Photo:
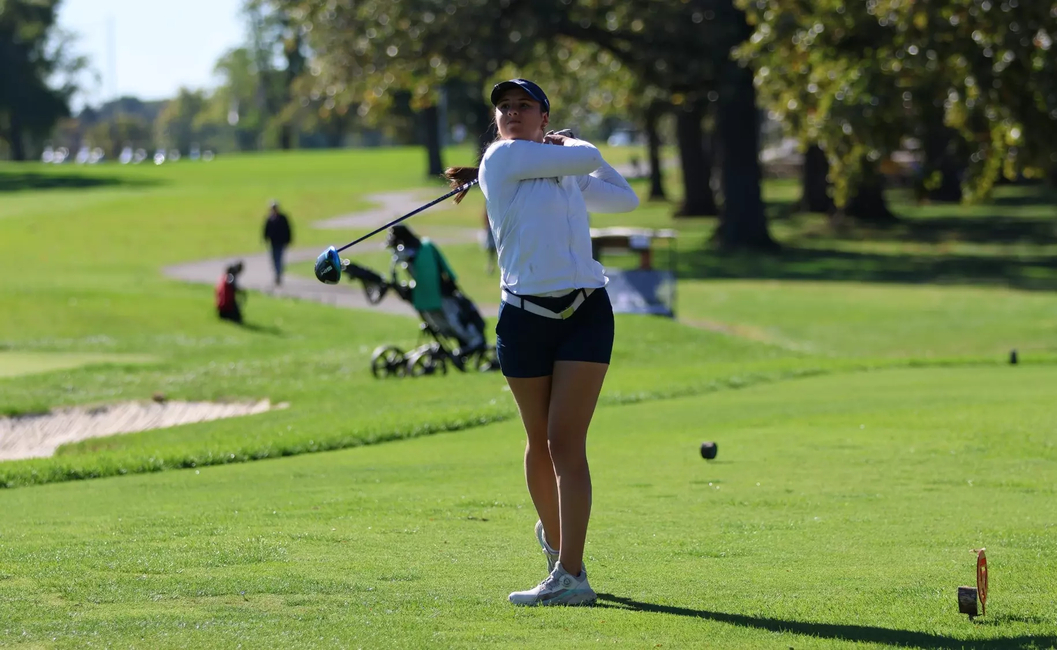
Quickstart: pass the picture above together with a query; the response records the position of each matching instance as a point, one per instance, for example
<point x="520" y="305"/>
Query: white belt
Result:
<point x="532" y="307"/>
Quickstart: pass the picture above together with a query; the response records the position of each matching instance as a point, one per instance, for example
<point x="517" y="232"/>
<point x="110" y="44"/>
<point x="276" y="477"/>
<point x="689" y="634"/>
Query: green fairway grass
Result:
<point x="829" y="318"/>
<point x="336" y="403"/>
<point x="861" y="377"/>
<point x="948" y="280"/>
<point x="840" y="512"/>
<point x="15" y="364"/>
<point x="106" y="231"/>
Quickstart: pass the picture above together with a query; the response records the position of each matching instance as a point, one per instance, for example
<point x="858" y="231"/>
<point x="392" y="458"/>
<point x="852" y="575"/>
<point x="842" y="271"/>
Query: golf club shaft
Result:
<point x="461" y="188"/>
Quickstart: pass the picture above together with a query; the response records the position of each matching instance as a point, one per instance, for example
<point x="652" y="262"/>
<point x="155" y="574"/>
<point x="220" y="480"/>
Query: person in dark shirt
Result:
<point x="278" y="234"/>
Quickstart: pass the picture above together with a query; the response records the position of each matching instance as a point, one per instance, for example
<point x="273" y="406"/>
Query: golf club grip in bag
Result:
<point x="374" y="285"/>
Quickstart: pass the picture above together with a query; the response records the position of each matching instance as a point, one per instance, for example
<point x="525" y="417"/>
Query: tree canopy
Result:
<point x="860" y="78"/>
<point x="33" y="55"/>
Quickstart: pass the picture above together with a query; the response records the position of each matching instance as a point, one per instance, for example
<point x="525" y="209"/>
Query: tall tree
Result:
<point x="363" y="53"/>
<point x="744" y="223"/>
<point x="651" y="120"/>
<point x="820" y="72"/>
<point x="681" y="48"/>
<point x="233" y="107"/>
<point x="859" y="78"/>
<point x="119" y="131"/>
<point x="814" y="181"/>
<point x="276" y="35"/>
<point x="1000" y="60"/>
<point x="177" y="126"/>
<point x="33" y="52"/>
<point x="685" y="48"/>
<point x="695" y="157"/>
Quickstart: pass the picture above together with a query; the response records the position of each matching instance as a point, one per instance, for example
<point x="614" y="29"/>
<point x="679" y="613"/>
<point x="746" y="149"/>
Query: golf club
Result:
<point x="329" y="265"/>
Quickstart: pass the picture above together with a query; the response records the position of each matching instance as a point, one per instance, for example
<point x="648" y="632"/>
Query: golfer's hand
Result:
<point x="557" y="137"/>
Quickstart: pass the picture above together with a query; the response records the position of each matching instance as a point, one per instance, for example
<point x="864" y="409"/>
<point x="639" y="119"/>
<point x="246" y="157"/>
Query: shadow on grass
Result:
<point x="1028" y="194"/>
<point x="262" y="329"/>
<point x="1028" y="217"/>
<point x="23" y="181"/>
<point x="813" y="250"/>
<point x="1037" y="273"/>
<point x="989" y="230"/>
<point x="853" y="633"/>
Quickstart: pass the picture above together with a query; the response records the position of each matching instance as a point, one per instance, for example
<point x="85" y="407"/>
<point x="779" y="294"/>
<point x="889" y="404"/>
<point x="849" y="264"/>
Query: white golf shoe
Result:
<point x="559" y="588"/>
<point x="552" y="555"/>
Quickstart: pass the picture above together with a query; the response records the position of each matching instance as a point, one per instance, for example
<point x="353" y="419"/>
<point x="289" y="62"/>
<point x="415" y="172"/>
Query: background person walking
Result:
<point x="279" y="235"/>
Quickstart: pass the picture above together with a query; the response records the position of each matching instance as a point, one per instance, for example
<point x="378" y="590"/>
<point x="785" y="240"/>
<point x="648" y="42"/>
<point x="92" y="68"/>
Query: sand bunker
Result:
<point x="37" y="436"/>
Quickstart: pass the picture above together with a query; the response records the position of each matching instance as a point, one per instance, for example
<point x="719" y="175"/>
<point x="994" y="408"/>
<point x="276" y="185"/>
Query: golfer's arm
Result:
<point x="606" y="191"/>
<point x="521" y="159"/>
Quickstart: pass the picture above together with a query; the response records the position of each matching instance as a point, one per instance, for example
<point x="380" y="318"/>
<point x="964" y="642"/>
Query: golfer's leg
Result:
<point x="533" y="396"/>
<point x="574" y="393"/>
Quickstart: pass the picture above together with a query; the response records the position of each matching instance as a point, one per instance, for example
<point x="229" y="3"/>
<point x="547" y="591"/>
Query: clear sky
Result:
<point x="158" y="45"/>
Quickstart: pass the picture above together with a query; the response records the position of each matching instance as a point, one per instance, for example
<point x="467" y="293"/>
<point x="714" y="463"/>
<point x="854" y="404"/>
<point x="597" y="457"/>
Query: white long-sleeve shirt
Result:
<point x="537" y="197"/>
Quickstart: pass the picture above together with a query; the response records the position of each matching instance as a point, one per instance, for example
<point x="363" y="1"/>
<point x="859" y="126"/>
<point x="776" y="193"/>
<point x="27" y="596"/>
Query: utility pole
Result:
<point x="111" y="55"/>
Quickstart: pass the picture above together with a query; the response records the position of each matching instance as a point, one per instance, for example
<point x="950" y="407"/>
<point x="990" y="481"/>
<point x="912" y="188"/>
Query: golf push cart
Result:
<point x="451" y="324"/>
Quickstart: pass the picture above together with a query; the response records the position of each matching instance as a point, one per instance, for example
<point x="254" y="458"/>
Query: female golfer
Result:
<point x="555" y="332"/>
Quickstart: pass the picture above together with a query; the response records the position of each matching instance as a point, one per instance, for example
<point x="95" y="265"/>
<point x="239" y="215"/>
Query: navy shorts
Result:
<point x="528" y="344"/>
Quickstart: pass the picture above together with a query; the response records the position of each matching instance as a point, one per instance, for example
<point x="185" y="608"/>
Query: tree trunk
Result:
<point x="715" y="156"/>
<point x="743" y="224"/>
<point x="815" y="196"/>
<point x="286" y="137"/>
<point x="335" y="131"/>
<point x="115" y="139"/>
<point x="12" y="88"/>
<point x="15" y="136"/>
<point x="867" y="202"/>
<point x="950" y="189"/>
<point x="941" y="158"/>
<point x="697" y="167"/>
<point x="431" y="124"/>
<point x="483" y="118"/>
<point x="653" y="114"/>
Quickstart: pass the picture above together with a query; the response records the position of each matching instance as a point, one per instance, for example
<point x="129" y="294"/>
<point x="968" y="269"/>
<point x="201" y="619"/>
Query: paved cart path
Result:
<point x="258" y="275"/>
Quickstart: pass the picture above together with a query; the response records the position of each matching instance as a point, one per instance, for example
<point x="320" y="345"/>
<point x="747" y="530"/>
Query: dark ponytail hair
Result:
<point x="458" y="176"/>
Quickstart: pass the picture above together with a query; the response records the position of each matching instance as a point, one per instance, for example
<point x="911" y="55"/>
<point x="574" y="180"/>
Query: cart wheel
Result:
<point x="387" y="360"/>
<point x="426" y="362"/>
<point x="421" y="364"/>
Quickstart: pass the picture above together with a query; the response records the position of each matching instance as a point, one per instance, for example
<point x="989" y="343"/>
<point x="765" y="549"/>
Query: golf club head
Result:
<point x="328" y="266"/>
